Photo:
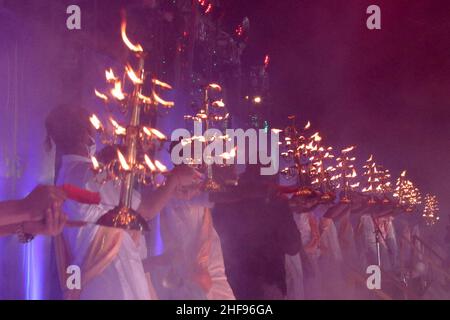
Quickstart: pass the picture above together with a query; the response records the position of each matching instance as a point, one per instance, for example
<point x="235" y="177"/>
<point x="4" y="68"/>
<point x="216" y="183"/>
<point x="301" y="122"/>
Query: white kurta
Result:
<point x="367" y="240"/>
<point x="181" y="222"/>
<point x="124" y="278"/>
<point x="310" y="282"/>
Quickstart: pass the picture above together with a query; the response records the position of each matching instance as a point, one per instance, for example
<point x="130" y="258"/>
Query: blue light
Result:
<point x="159" y="244"/>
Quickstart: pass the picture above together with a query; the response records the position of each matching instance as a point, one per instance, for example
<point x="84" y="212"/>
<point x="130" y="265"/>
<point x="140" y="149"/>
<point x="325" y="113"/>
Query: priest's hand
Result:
<point x="35" y="205"/>
<point x="52" y="223"/>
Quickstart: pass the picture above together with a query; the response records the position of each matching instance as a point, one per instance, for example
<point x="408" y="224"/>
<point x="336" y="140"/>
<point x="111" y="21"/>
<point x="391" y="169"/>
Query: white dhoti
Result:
<point x="309" y="232"/>
<point x="294" y="278"/>
<point x="193" y="267"/>
<point x="110" y="259"/>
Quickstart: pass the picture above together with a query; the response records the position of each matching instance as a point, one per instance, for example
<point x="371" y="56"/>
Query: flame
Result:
<point x="147" y="131"/>
<point x="229" y="155"/>
<point x="346" y="150"/>
<point x="132" y="75"/>
<point x="101" y="95"/>
<point x="163" y="102"/>
<point x="215" y="86"/>
<point x="209" y="8"/>
<point x="144" y="99"/>
<point x="355" y="185"/>
<point x="149" y="163"/>
<point x="316" y="137"/>
<point x="218" y="103"/>
<point x="307" y="126"/>
<point x="95" y="163"/>
<point x="158" y="134"/>
<point x="150" y="132"/>
<point x="202" y="115"/>
<point x="161" y="84"/>
<point x="110" y="76"/>
<point x="131" y="46"/>
<point x="117" y="91"/>
<point x="266" y="61"/>
<point x="161" y="168"/>
<point x="95" y="122"/>
<point x="224" y="137"/>
<point x="403" y="174"/>
<point x="123" y="161"/>
<point x="186" y="141"/>
<point x="370" y="158"/>
<point x="119" y="130"/>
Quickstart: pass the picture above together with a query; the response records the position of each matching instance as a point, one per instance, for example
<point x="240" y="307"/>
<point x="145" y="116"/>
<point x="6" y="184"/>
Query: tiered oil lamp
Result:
<point x="212" y="113"/>
<point x="347" y="174"/>
<point x="322" y="175"/>
<point x="408" y="196"/>
<point x="373" y="181"/>
<point x="132" y="164"/>
<point x="431" y="210"/>
<point x="385" y="187"/>
<point x="298" y="153"/>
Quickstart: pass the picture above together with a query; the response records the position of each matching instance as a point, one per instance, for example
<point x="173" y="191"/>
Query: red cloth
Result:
<point x="81" y="195"/>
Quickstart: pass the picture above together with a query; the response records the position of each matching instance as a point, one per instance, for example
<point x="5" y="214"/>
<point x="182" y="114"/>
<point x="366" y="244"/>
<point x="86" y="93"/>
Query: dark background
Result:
<point x="387" y="91"/>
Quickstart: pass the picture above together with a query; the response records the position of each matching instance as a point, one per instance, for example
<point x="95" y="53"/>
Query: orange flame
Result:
<point x="132" y="75"/>
<point x="144" y="99"/>
<point x="215" y="86"/>
<point x="95" y="122"/>
<point x="163" y="102"/>
<point x="307" y="126"/>
<point x="149" y="163"/>
<point x="161" y="84"/>
<point x="218" y="103"/>
<point x="95" y="163"/>
<point x="158" y="134"/>
<point x="119" y="130"/>
<point x="229" y="155"/>
<point x="346" y="150"/>
<point x="110" y="76"/>
<point x="117" y="91"/>
<point x="316" y="137"/>
<point x="135" y="48"/>
<point x="101" y="95"/>
<point x="147" y="131"/>
<point x="123" y="161"/>
<point x="161" y="168"/>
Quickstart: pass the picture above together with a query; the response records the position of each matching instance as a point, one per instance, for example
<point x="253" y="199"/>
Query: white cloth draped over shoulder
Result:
<point x="124" y="277"/>
<point x="190" y="241"/>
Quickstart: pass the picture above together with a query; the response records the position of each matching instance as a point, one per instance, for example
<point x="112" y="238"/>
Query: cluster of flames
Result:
<point x="299" y="151"/>
<point x="308" y="160"/>
<point x="311" y="163"/>
<point x="212" y="110"/>
<point x="211" y="114"/>
<point x="378" y="181"/>
<point x="347" y="173"/>
<point x="431" y="210"/>
<point x="115" y="134"/>
<point x="407" y="194"/>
